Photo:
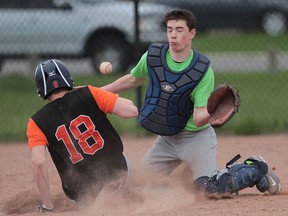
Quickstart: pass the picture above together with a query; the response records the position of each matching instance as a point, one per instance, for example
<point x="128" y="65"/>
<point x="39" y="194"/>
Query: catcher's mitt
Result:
<point x="223" y="103"/>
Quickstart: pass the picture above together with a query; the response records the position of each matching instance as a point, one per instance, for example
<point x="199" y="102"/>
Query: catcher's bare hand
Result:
<point x="223" y="103"/>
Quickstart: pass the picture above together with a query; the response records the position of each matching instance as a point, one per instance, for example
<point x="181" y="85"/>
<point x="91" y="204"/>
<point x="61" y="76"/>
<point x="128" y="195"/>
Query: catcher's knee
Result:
<point x="235" y="177"/>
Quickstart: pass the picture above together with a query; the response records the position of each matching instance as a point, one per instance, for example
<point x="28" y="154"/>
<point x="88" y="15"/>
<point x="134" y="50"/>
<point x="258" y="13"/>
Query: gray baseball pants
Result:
<point x="196" y="149"/>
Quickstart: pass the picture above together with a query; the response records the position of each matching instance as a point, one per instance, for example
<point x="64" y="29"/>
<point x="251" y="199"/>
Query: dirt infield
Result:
<point x="147" y="196"/>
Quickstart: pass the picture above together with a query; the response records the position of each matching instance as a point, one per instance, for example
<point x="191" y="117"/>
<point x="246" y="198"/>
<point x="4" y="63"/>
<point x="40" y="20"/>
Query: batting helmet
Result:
<point x="51" y="75"/>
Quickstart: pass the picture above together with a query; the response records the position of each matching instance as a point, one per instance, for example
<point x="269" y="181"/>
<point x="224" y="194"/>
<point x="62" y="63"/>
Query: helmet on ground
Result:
<point x="51" y="75"/>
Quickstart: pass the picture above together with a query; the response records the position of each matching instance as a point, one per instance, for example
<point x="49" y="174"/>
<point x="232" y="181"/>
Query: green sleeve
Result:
<point x="203" y="90"/>
<point x="141" y="69"/>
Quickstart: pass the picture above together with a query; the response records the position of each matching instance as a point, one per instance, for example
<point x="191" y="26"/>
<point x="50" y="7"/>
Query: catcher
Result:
<point x="175" y="108"/>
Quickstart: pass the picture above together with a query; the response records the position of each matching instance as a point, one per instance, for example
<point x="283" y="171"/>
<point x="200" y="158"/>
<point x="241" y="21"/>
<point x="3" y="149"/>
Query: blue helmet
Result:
<point x="51" y="75"/>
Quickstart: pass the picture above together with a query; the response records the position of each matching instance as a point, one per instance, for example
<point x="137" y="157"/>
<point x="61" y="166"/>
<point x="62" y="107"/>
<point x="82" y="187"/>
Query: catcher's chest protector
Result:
<point x="167" y="106"/>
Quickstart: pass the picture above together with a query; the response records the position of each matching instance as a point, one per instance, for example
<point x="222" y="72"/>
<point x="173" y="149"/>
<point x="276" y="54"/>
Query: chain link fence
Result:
<point x="246" y="43"/>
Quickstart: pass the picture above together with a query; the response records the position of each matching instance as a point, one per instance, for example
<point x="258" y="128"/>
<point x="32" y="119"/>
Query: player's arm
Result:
<point x="136" y="78"/>
<point x="37" y="143"/>
<point x="200" y="97"/>
<point x="40" y="173"/>
<point x="200" y="116"/>
<point x="112" y="103"/>
<point x="125" y="108"/>
<point x="124" y="83"/>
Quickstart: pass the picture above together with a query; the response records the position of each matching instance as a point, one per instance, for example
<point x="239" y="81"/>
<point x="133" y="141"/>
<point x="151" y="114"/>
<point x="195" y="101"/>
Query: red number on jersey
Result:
<point x="83" y="129"/>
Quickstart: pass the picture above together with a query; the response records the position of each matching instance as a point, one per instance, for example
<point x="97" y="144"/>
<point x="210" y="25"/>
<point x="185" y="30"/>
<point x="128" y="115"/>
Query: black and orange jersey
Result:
<point x="81" y="140"/>
<point x="105" y="101"/>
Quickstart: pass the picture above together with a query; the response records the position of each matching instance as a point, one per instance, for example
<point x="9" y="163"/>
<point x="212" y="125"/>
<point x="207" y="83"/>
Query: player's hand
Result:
<point x="43" y="209"/>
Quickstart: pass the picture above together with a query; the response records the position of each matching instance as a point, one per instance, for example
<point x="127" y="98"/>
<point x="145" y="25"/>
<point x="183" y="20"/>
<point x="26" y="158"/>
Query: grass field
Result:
<point x="264" y="107"/>
<point x="240" y="42"/>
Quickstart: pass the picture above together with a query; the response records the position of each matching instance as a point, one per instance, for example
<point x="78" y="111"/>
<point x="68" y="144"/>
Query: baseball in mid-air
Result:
<point x="106" y="67"/>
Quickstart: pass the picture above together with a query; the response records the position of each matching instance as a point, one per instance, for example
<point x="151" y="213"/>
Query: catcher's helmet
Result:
<point x="51" y="75"/>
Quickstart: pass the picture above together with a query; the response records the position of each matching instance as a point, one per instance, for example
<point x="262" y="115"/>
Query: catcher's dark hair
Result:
<point x="182" y="14"/>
